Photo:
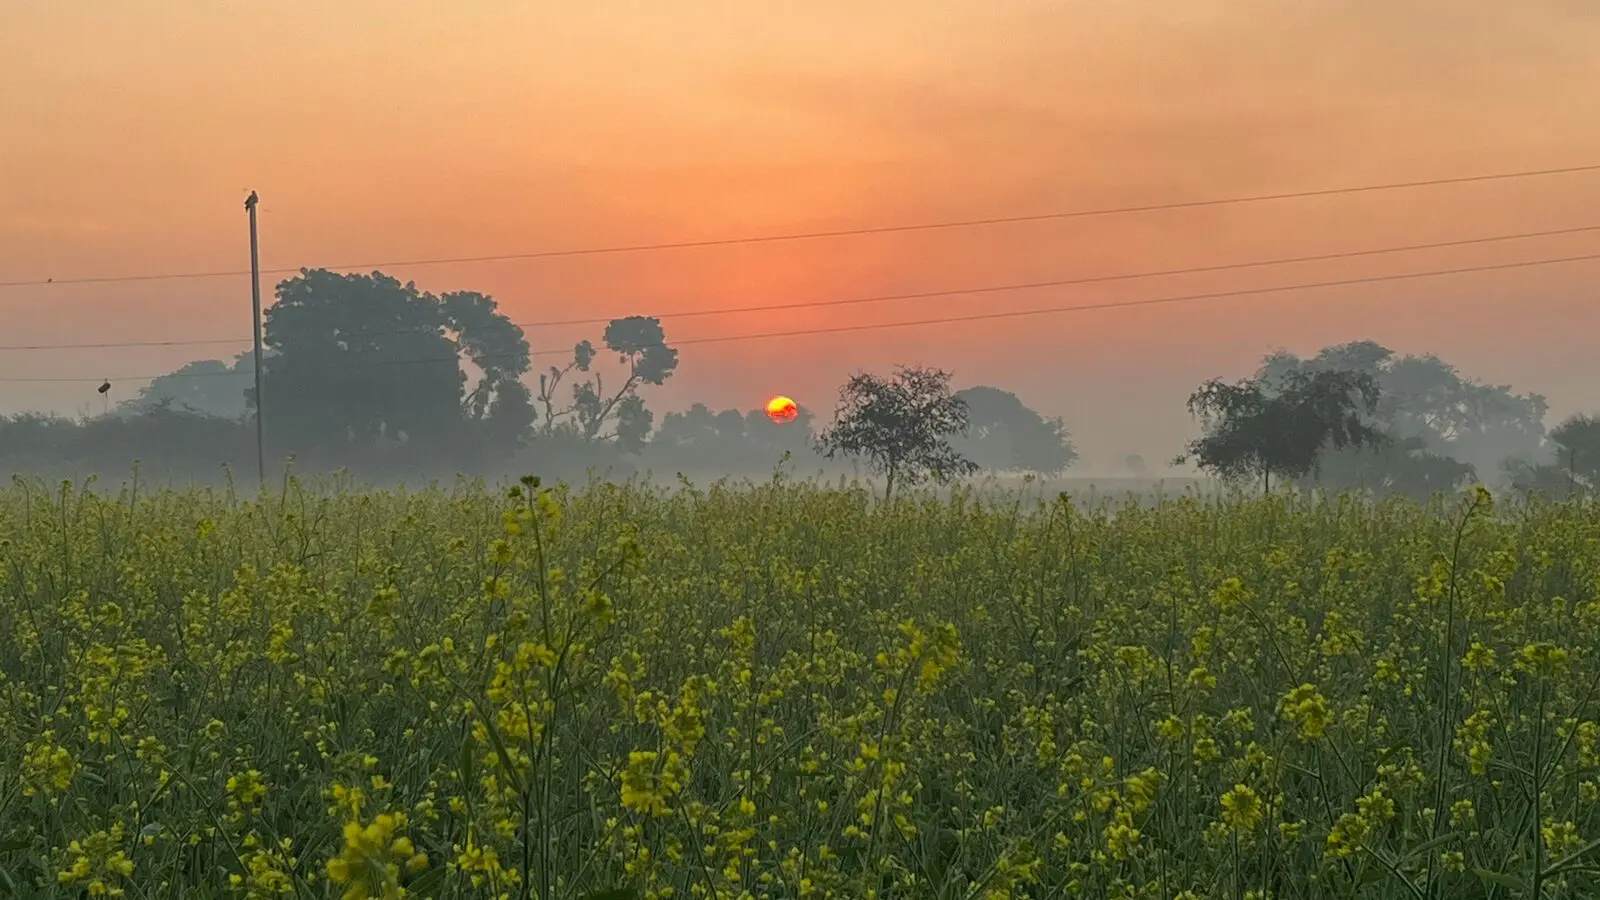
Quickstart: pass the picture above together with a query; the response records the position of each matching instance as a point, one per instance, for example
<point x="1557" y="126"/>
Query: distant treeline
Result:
<point x="366" y="374"/>
<point x="173" y="442"/>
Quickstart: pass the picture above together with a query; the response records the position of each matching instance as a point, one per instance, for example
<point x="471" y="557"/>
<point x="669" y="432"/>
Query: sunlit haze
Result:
<point x="131" y="132"/>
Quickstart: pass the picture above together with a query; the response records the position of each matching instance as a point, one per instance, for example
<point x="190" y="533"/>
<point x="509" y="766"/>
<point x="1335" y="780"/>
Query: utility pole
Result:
<point x="255" y="321"/>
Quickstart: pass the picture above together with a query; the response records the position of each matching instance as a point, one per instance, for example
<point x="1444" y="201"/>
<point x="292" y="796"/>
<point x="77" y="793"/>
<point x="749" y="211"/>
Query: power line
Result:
<point x="947" y="320"/>
<point x="884" y="298"/>
<point x="843" y="232"/>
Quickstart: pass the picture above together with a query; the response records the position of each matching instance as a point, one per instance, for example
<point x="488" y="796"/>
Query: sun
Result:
<point x="782" y="410"/>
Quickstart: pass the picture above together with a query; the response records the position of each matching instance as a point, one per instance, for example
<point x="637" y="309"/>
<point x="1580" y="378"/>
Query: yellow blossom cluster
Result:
<point x="783" y="690"/>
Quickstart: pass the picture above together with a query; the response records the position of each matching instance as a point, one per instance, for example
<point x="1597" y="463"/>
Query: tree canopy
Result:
<point x="1253" y="431"/>
<point x="209" y="387"/>
<point x="355" y="359"/>
<point x="1005" y="434"/>
<point x="1445" y="426"/>
<point x="902" y="425"/>
<point x="365" y="371"/>
<point x="1573" y="465"/>
<point x="730" y="440"/>
<point x="617" y="413"/>
<point x="362" y="367"/>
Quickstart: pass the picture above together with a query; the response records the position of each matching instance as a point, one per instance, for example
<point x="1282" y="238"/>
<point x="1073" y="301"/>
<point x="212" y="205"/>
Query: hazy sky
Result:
<point x="131" y="131"/>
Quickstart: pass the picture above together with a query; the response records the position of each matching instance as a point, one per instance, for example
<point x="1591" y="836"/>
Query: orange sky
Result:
<point x="405" y="129"/>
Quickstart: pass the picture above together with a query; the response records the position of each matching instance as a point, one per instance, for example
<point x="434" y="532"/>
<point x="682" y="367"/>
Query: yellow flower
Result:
<point x="246" y="789"/>
<point x="482" y="866"/>
<point x="647" y="788"/>
<point x="1120" y="835"/>
<point x="47" y="767"/>
<point x="1170" y="728"/>
<point x="1241" y="808"/>
<point x="1478" y="658"/>
<point x="1472" y="741"/>
<point x="97" y="864"/>
<point x="1140" y="789"/>
<point x="373" y="858"/>
<point x="1308" y="709"/>
<point x="267" y="870"/>
<point x="1560" y="838"/>
<point x="1542" y="658"/>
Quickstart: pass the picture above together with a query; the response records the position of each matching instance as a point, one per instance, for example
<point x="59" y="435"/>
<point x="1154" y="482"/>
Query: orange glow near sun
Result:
<point x="781" y="409"/>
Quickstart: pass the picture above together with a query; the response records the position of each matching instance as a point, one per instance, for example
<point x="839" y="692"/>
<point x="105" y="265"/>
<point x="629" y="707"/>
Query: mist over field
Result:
<point x="712" y="450"/>
<point x="428" y="144"/>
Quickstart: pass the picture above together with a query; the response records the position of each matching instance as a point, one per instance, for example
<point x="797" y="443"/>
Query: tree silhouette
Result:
<point x="1577" y="442"/>
<point x="510" y="418"/>
<point x="1401" y="465"/>
<point x="583" y="355"/>
<point x="633" y="423"/>
<point x="1252" y="431"/>
<point x="640" y="345"/>
<point x="1425" y="398"/>
<point x="731" y="425"/>
<point x="730" y="441"/>
<point x="693" y="425"/>
<point x="209" y="387"/>
<point x="1004" y="434"/>
<point x="769" y="438"/>
<point x="168" y="442"/>
<point x="499" y="349"/>
<point x="902" y="425"/>
<point x="1575" y="465"/>
<point x="355" y="359"/>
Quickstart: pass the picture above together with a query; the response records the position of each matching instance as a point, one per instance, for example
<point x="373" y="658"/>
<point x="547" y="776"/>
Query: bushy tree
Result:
<point x="1253" y="432"/>
<point x="1003" y="433"/>
<point x="1399" y="465"/>
<point x="770" y="439"/>
<point x="730" y="441"/>
<point x="902" y="425"/>
<point x="510" y="419"/>
<point x="209" y="387"/>
<point x="500" y="351"/>
<point x="167" y="442"/>
<point x="1573" y="465"/>
<point x="1441" y="422"/>
<point x="359" y="359"/>
<point x="695" y="425"/>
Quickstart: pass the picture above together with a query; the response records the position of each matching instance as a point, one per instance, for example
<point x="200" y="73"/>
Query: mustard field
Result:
<point x="782" y="690"/>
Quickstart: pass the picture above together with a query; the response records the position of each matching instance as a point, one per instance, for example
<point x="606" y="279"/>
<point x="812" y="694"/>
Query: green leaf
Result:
<point x="500" y="749"/>
<point x="614" y="894"/>
<point x="426" y="882"/>
<point x="324" y="835"/>
<point x="1393" y="869"/>
<point x="1502" y="879"/>
<point x="1425" y="846"/>
<point x="1366" y="874"/>
<point x="469" y="758"/>
<point x="19" y="843"/>
<point x="1571" y="859"/>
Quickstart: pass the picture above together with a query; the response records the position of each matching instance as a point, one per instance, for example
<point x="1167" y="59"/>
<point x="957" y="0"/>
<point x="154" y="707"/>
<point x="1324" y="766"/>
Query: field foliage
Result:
<point x="782" y="690"/>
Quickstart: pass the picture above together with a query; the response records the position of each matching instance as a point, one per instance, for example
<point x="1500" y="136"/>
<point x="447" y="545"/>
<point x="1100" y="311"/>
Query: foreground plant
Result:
<point x="786" y="691"/>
